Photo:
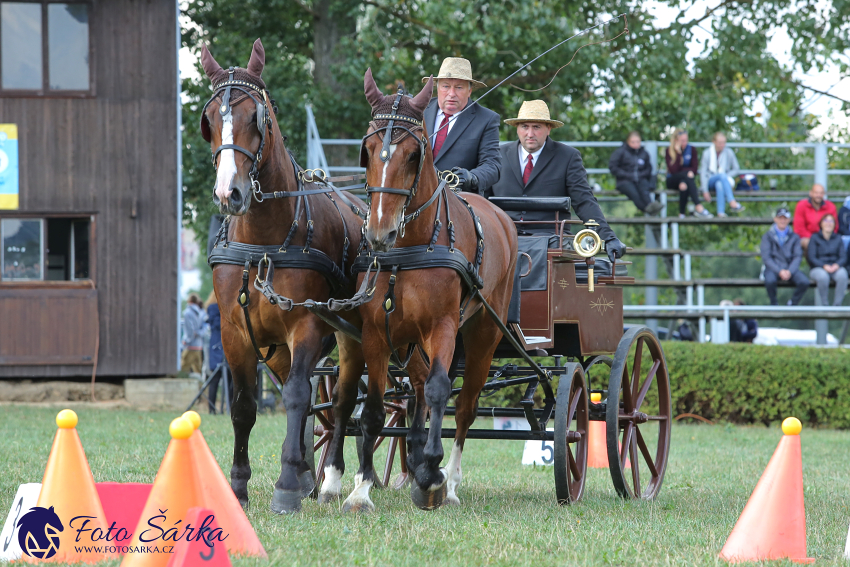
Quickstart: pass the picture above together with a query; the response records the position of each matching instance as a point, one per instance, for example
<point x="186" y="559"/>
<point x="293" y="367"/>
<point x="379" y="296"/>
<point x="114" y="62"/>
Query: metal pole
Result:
<point x="311" y="150"/>
<point x="701" y="304"/>
<point x="651" y="269"/>
<point x="821" y="165"/>
<point x="677" y="275"/>
<point x="821" y="325"/>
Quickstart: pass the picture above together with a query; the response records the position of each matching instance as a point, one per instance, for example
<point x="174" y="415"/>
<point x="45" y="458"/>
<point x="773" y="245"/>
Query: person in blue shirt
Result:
<point x="782" y="253"/>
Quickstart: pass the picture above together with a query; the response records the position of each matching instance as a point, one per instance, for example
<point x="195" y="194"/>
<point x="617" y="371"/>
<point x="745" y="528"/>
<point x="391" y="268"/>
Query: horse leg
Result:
<point x="243" y="414"/>
<point x="344" y="400"/>
<point x="288" y="490"/>
<point x="371" y="422"/>
<point x="429" y="488"/>
<point x="418" y="411"/>
<point x="480" y="338"/>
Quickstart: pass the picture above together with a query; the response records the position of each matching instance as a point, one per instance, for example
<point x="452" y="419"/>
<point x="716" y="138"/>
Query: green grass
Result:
<point x="508" y="514"/>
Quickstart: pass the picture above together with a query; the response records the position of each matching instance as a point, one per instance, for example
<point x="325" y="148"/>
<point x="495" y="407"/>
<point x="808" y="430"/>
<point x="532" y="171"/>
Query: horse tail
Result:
<point x="328" y="344"/>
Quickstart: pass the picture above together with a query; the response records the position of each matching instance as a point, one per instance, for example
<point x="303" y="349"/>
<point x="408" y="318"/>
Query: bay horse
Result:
<point x="300" y="228"/>
<point x="434" y="273"/>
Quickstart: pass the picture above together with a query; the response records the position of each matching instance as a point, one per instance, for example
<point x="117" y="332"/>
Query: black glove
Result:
<point x="466" y="180"/>
<point x="615" y="248"/>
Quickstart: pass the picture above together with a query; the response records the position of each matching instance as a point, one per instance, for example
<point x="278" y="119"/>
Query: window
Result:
<point x="49" y="249"/>
<point x="44" y="48"/>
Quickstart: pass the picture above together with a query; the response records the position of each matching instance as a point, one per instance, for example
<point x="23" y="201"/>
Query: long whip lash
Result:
<point x="557" y="45"/>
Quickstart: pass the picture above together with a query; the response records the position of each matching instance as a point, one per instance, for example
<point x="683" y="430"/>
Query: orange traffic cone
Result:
<point x="217" y="495"/>
<point x="67" y="491"/>
<point x="175" y="490"/>
<point x="597" y="450"/>
<point x="773" y="523"/>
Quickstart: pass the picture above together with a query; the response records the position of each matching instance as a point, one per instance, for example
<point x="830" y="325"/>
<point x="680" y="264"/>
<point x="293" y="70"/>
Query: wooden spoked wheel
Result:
<point x="320" y="424"/>
<point x="597" y="371"/>
<point x="571" y="440"/>
<point x="638" y="415"/>
<point x="320" y="429"/>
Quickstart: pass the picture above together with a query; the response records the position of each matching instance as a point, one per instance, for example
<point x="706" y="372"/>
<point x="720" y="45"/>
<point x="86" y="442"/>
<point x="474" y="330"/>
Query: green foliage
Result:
<point x="318" y="50"/>
<point x="742" y="383"/>
<point x="745" y="383"/>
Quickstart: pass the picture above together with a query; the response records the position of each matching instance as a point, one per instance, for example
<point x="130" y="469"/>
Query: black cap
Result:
<point x="783" y="212"/>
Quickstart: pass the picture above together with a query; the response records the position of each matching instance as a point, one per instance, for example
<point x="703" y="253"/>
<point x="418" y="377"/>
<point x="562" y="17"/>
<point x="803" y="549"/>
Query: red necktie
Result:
<point x="442" y="132"/>
<point x="526" y="175"/>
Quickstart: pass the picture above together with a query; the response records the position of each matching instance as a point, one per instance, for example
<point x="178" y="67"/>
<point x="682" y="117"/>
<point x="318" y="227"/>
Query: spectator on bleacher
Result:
<point x="742" y="330"/>
<point x="718" y="168"/>
<point x="810" y="211"/>
<point x="631" y="167"/>
<point x="782" y="255"/>
<point x="682" y="164"/>
<point x="828" y="260"/>
<point x="844" y="222"/>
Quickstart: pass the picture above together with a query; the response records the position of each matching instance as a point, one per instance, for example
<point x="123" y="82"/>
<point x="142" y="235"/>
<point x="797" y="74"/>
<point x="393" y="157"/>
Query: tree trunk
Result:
<point x="332" y="21"/>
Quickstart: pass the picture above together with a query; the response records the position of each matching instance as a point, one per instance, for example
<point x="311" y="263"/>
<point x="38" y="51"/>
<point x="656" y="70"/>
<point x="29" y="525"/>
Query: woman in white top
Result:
<point x="718" y="168"/>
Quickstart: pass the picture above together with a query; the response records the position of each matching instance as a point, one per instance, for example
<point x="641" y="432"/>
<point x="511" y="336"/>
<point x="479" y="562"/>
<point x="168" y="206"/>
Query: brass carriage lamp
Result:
<point x="587" y="244"/>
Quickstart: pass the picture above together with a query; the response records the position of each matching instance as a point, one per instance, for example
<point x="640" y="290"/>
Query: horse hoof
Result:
<point x="328" y="498"/>
<point x="451" y="500"/>
<point x="307" y="483"/>
<point x="358" y="507"/>
<point x="286" y="501"/>
<point x="428" y="499"/>
<point x="243" y="502"/>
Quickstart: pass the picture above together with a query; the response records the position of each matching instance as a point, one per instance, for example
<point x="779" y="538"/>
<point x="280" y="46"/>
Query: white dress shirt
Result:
<point x="523" y="157"/>
<point x="439" y="121"/>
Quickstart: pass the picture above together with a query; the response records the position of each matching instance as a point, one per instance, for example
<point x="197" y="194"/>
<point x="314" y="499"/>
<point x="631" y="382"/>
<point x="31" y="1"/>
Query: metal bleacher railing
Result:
<point x="662" y="237"/>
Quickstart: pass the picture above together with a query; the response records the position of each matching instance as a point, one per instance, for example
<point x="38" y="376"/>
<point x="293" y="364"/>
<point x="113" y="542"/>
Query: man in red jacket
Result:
<point x="808" y="213"/>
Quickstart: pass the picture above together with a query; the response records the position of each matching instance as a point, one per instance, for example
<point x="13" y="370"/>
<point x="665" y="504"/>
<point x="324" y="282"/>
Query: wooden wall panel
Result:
<point x="112" y="153"/>
<point x="48" y="326"/>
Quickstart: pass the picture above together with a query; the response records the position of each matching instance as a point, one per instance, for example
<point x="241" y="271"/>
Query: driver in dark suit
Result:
<point x="538" y="166"/>
<point x="464" y="135"/>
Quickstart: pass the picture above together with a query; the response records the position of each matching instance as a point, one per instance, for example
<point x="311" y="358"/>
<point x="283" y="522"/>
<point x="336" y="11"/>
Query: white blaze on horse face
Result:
<point x="455" y="476"/>
<point x="226" y="162"/>
<point x="384" y="177"/>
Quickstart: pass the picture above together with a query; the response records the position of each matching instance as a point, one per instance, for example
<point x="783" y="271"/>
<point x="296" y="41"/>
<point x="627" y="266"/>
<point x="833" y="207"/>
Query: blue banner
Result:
<point x="8" y="166"/>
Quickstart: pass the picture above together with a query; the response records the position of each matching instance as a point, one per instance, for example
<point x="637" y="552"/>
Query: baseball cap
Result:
<point x="783" y="212"/>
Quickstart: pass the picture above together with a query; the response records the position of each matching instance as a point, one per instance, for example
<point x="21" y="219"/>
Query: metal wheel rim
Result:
<point x="571" y="414"/>
<point x="620" y="431"/>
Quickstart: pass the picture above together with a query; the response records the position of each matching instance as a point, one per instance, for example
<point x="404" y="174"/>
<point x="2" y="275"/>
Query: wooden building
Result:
<point x="90" y="234"/>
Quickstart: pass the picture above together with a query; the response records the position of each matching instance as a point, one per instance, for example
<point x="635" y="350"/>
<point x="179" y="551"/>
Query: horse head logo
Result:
<point x="39" y="530"/>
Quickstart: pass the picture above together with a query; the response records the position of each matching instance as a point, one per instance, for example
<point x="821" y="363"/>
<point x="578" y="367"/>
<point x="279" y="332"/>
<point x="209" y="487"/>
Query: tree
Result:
<point x="317" y="51"/>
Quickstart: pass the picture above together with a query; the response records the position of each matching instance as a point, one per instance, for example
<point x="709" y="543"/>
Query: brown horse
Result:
<point x="409" y="207"/>
<point x="286" y="229"/>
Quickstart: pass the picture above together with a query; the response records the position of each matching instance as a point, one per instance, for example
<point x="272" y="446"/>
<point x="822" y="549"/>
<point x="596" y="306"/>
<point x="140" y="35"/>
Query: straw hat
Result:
<point x="457" y="68"/>
<point x="534" y="111"/>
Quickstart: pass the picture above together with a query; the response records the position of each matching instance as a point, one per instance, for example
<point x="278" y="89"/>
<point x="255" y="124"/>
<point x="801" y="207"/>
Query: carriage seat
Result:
<point x="537" y="204"/>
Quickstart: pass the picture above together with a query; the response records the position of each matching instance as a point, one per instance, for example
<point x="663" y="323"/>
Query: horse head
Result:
<point x="394" y="160"/>
<point x="237" y="132"/>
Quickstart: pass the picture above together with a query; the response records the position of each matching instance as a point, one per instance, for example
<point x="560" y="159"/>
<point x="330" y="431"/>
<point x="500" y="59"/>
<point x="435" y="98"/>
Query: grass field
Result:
<point x="508" y="514"/>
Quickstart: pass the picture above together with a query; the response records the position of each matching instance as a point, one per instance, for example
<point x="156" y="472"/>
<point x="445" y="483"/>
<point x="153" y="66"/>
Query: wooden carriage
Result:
<point x="575" y="345"/>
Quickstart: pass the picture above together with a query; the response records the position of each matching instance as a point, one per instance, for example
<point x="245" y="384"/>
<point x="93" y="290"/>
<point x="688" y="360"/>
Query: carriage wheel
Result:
<point x="318" y="435"/>
<point x="638" y="415"/>
<point x="597" y="370"/>
<point x="571" y="424"/>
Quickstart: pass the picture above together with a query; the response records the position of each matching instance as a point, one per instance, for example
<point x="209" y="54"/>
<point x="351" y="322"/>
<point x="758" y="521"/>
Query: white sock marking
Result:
<point x="333" y="481"/>
<point x="360" y="494"/>
<point x="226" y="162"/>
<point x="454" y="471"/>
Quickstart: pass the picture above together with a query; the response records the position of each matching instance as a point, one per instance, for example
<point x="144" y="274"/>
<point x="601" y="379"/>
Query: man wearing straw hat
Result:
<point x="464" y="135"/>
<point x="538" y="166"/>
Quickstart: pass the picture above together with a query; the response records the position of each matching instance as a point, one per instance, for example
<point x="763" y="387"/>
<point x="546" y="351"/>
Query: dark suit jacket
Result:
<point x="472" y="143"/>
<point x="559" y="173"/>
